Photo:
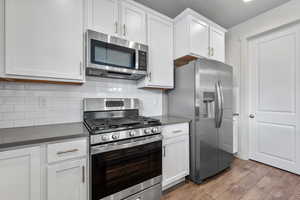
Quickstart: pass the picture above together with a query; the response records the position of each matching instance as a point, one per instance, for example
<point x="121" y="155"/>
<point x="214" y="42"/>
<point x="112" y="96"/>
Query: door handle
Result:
<point x="83" y="174"/>
<point x="116" y="27"/>
<point x="252" y="116"/>
<point x="222" y="103"/>
<point x="124" y="29"/>
<point x="164" y="151"/>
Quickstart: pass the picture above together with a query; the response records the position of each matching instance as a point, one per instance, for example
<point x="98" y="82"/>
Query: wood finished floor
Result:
<point x="246" y="180"/>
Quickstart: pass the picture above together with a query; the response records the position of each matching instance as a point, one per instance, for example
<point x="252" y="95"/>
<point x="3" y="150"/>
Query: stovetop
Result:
<point x="104" y="125"/>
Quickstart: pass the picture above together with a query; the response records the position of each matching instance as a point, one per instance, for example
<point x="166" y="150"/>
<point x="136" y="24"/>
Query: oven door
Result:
<point x="126" y="168"/>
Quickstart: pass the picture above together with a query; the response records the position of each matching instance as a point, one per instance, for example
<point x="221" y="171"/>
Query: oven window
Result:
<point x="112" y="55"/>
<point x="117" y="170"/>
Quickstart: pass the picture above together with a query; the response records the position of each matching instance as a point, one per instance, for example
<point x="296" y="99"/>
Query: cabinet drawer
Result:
<point x="66" y="150"/>
<point x="175" y="130"/>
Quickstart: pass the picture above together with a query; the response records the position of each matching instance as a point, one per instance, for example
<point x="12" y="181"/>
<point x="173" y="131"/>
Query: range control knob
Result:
<point x="114" y="137"/>
<point x="147" y="131"/>
<point x="104" y="137"/>
<point x="131" y="133"/>
<point x="155" y="130"/>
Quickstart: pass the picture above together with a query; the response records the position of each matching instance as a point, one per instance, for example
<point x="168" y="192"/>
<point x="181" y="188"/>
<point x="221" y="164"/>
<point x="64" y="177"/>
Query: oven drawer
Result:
<point x="175" y="130"/>
<point x="66" y="150"/>
<point x="153" y="193"/>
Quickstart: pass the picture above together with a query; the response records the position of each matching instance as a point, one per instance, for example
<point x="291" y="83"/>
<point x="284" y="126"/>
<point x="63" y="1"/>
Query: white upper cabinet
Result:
<point x="44" y="39"/>
<point x="118" y="17"/>
<point x="103" y="16"/>
<point x="160" y="41"/>
<point x="133" y="23"/>
<point x="197" y="37"/>
<point x="199" y="33"/>
<point x="217" y="44"/>
<point x="20" y="172"/>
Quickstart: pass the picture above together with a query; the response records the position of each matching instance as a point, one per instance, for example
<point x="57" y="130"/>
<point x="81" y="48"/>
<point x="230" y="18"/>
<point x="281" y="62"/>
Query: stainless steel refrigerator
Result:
<point x="204" y="93"/>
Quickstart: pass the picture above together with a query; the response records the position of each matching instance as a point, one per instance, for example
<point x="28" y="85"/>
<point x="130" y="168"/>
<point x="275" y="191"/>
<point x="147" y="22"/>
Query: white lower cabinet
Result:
<point x="27" y="174"/>
<point x="175" y="154"/>
<point x="67" y="180"/>
<point x="20" y="172"/>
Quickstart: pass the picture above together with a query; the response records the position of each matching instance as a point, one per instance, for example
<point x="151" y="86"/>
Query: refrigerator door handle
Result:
<point x="217" y="105"/>
<point x="221" y="103"/>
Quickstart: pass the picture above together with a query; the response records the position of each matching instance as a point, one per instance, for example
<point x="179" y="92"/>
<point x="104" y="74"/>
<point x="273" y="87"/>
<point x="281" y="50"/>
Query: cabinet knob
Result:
<point x="252" y="116"/>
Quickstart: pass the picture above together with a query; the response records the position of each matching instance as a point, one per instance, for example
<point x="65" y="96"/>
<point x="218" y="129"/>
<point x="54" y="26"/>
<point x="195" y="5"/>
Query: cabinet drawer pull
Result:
<point x="177" y="131"/>
<point x="68" y="151"/>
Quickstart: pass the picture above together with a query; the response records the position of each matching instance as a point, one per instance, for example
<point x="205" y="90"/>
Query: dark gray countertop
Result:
<point x="167" y="119"/>
<point x="13" y="137"/>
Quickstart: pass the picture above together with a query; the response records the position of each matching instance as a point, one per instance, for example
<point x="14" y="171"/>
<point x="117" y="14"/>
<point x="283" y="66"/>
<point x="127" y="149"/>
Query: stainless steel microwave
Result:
<point x="113" y="57"/>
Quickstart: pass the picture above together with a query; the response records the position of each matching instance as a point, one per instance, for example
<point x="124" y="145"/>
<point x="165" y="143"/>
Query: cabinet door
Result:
<point x="199" y="37"/>
<point x="217" y="44"/>
<point x="175" y="159"/>
<point x="67" y="181"/>
<point x="20" y="174"/>
<point x="103" y="16"/>
<point x="133" y="23"/>
<point x="160" y="40"/>
<point x="44" y="38"/>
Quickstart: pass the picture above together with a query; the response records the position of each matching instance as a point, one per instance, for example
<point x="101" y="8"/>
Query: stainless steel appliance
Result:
<point x="126" y="150"/>
<point x="204" y="92"/>
<point x="113" y="57"/>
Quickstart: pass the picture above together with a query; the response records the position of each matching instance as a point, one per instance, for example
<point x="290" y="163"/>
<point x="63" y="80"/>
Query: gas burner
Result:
<point x="106" y="123"/>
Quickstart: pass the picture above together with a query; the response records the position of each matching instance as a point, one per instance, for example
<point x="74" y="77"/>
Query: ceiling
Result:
<point x="226" y="13"/>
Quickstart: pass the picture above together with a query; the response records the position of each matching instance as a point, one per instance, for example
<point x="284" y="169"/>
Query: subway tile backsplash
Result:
<point x="28" y="104"/>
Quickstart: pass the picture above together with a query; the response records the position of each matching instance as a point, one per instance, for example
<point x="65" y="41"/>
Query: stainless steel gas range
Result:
<point x="126" y="150"/>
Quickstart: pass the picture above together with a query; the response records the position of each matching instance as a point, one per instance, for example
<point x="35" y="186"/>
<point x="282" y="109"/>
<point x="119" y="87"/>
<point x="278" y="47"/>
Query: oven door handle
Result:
<point x="113" y="146"/>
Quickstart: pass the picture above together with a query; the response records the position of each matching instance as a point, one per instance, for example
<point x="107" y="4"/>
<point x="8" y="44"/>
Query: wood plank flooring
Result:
<point x="246" y="180"/>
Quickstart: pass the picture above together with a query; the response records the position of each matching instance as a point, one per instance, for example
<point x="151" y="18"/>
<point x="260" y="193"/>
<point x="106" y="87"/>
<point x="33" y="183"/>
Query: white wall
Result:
<point x="27" y="104"/>
<point x="237" y="40"/>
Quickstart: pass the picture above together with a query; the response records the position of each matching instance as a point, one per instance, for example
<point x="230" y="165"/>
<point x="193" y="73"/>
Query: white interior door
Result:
<point x="275" y="89"/>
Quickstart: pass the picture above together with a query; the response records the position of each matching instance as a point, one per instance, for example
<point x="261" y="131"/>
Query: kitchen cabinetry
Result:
<point x="103" y="16"/>
<point x="160" y="41"/>
<point x="67" y="180"/>
<point x="175" y="154"/>
<point x="44" y="40"/>
<point x="60" y="167"/>
<point x="217" y="44"/>
<point x="197" y="37"/>
<point x="119" y="18"/>
<point x="20" y="172"/>
<point x="67" y="170"/>
<point x="133" y="23"/>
